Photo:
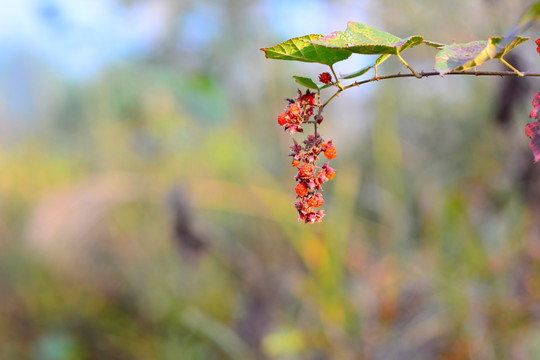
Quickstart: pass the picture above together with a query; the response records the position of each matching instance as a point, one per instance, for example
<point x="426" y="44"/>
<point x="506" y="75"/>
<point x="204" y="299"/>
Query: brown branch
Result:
<point x="423" y="74"/>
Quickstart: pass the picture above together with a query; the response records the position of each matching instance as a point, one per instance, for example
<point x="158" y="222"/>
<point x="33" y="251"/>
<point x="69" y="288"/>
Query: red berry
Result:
<point x="537" y="41"/>
<point x="282" y="119"/>
<point x="535" y="102"/>
<point x="330" y="152"/>
<point x="294" y="110"/>
<point x="325" y="78"/>
<point x="531" y="129"/>
<point x="535" y="147"/>
<point x="315" y="200"/>
<point x="308" y="98"/>
<point x="305" y="170"/>
<point x="301" y="190"/>
<point x="330" y="175"/>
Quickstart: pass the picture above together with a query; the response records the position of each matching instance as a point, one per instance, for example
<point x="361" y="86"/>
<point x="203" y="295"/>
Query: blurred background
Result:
<point x="146" y="196"/>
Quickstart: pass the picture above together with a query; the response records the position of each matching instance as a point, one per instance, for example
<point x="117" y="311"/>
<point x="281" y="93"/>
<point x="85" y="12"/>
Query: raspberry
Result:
<point x="325" y="78"/>
<point x="282" y="119"/>
<point x="294" y="110"/>
<point x="301" y="190"/>
<point x="308" y="98"/>
<point x="535" y="147"/>
<point x="531" y="129"/>
<point x="328" y="171"/>
<point x="330" y="152"/>
<point x="330" y="175"/>
<point x="306" y="170"/>
<point x="314" y="217"/>
<point x="315" y="200"/>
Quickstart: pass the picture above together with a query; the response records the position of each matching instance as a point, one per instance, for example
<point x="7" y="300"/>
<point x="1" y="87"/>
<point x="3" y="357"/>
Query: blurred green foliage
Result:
<point x="149" y="215"/>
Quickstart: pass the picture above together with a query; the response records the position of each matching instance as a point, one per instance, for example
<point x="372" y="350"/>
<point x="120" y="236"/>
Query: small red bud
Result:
<point x="325" y="78"/>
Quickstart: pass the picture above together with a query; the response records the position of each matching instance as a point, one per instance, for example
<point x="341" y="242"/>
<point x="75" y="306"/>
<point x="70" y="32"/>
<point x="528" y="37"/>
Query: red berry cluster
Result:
<point x="298" y="112"/>
<point x="310" y="177"/>
<point x="532" y="129"/>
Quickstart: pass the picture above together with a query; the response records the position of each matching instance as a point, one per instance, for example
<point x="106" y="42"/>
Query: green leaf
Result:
<point x="302" y="49"/>
<point x="364" y="70"/>
<point x="496" y="49"/>
<point x="530" y="15"/>
<point x="460" y="57"/>
<point x="307" y="82"/>
<point x="363" y="39"/>
<point x="434" y="44"/>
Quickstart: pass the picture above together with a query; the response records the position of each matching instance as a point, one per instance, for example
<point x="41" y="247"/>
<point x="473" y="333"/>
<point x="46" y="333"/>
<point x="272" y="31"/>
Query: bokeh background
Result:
<point x="146" y="196"/>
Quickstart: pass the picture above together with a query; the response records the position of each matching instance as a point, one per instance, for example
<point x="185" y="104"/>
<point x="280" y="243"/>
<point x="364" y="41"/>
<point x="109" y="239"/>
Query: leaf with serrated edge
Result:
<point x="307" y="82"/>
<point x="364" y="70"/>
<point x="301" y="49"/>
<point x="460" y="57"/>
<point x="496" y="51"/>
<point x="363" y="39"/>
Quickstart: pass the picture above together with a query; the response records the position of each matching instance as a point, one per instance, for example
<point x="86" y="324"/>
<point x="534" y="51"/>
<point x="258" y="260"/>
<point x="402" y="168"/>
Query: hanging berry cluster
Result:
<point x="532" y="129"/>
<point x="307" y="109"/>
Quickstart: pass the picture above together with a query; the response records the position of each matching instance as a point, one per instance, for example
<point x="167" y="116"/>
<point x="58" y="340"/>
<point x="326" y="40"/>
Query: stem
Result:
<point x="335" y="77"/>
<point x="319" y="113"/>
<point x="423" y="74"/>
<point x="407" y="65"/>
<point x="435" y="73"/>
<point x="334" y="96"/>
<point x="511" y="67"/>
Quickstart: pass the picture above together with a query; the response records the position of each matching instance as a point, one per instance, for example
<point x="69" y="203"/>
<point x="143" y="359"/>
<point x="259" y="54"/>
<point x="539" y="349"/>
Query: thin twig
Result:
<point x="336" y="77"/>
<point x="423" y="74"/>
